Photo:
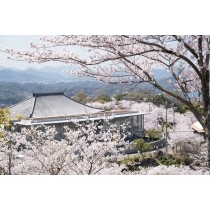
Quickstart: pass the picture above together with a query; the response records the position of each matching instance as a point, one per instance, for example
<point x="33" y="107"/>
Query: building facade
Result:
<point x="56" y="109"/>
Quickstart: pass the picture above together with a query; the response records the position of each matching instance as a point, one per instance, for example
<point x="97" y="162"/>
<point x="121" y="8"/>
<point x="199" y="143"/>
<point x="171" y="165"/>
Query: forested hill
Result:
<point x="13" y="92"/>
<point x="17" y="85"/>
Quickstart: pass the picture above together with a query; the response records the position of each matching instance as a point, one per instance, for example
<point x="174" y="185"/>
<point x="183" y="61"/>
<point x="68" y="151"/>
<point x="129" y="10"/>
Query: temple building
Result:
<point x="59" y="110"/>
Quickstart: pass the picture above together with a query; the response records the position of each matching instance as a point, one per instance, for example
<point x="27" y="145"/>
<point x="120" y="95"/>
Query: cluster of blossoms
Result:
<point x="86" y="150"/>
<point x="123" y="58"/>
<point x="132" y="59"/>
<point x="169" y="170"/>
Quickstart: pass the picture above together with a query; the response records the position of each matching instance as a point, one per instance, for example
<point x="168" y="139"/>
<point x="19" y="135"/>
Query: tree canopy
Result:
<point x="128" y="59"/>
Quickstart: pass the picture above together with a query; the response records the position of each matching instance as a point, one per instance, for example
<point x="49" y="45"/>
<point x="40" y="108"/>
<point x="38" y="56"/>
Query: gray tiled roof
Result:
<point x="47" y="105"/>
<point x="23" y="108"/>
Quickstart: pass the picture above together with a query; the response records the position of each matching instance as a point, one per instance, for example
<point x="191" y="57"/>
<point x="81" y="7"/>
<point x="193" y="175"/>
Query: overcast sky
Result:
<point x="20" y="42"/>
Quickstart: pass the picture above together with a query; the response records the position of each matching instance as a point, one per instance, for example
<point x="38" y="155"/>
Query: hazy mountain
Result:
<point x="49" y="74"/>
<point x="44" y="75"/>
<point x="16" y="84"/>
<point x="13" y="92"/>
<point x="160" y="73"/>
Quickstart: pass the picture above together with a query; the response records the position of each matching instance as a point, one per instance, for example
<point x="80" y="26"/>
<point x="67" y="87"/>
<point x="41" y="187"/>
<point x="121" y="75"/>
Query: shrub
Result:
<point x="141" y="146"/>
<point x="171" y="160"/>
<point x="154" y="134"/>
<point x="103" y="98"/>
<point x="80" y="97"/>
<point x="119" y="96"/>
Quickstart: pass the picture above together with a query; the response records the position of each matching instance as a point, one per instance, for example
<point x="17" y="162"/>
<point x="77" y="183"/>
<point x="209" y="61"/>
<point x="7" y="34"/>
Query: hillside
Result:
<point x="17" y="85"/>
<point x="13" y="92"/>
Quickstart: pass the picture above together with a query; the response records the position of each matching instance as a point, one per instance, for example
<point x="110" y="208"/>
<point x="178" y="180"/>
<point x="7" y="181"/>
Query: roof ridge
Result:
<point x="47" y="94"/>
<point x="31" y="115"/>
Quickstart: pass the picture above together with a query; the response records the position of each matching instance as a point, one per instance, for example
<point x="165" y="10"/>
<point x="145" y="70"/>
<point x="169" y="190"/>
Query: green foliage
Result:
<point x="131" y="159"/>
<point x="159" y="100"/>
<point x="150" y="159"/>
<point x="176" y="161"/>
<point x="1" y="135"/>
<point x="184" y="108"/>
<point x="198" y="106"/>
<point x="181" y="109"/>
<point x="103" y="98"/>
<point x="5" y="121"/>
<point x="135" y="163"/>
<point x="119" y="96"/>
<point x="4" y="116"/>
<point x="134" y="96"/>
<point x="154" y="134"/>
<point x="169" y="159"/>
<point x="140" y="95"/>
<point x="140" y="145"/>
<point x="19" y="117"/>
<point x="80" y="97"/>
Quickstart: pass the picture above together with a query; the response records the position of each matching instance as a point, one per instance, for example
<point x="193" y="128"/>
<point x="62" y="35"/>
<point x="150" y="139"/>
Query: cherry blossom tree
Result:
<point x="131" y="59"/>
<point x="36" y="151"/>
<point x="9" y="144"/>
<point x="185" y="142"/>
<point x="87" y="150"/>
<point x="169" y="170"/>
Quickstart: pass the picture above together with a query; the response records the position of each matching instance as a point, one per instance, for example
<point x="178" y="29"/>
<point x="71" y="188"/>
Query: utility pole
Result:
<point x="166" y="104"/>
<point x="173" y="118"/>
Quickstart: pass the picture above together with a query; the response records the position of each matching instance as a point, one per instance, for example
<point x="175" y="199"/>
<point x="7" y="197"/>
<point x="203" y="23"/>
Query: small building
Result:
<point x="197" y="127"/>
<point x="59" y="110"/>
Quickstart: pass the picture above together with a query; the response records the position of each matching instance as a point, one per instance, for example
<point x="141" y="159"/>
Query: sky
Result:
<point x="20" y="42"/>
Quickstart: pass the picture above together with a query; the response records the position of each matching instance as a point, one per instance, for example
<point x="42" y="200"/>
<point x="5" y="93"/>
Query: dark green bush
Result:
<point x="119" y="96"/>
<point x="154" y="134"/>
<point x="176" y="161"/>
<point x="80" y="97"/>
<point x="103" y="98"/>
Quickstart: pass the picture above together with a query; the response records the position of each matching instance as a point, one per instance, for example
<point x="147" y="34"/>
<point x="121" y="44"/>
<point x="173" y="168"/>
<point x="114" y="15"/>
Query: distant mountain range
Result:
<point x="17" y="85"/>
<point x="43" y="75"/>
<point x="50" y="74"/>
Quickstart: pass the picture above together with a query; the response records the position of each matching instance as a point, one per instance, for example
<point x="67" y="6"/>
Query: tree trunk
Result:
<point x="207" y="137"/>
<point x="10" y="163"/>
<point x="10" y="158"/>
<point x="208" y="152"/>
